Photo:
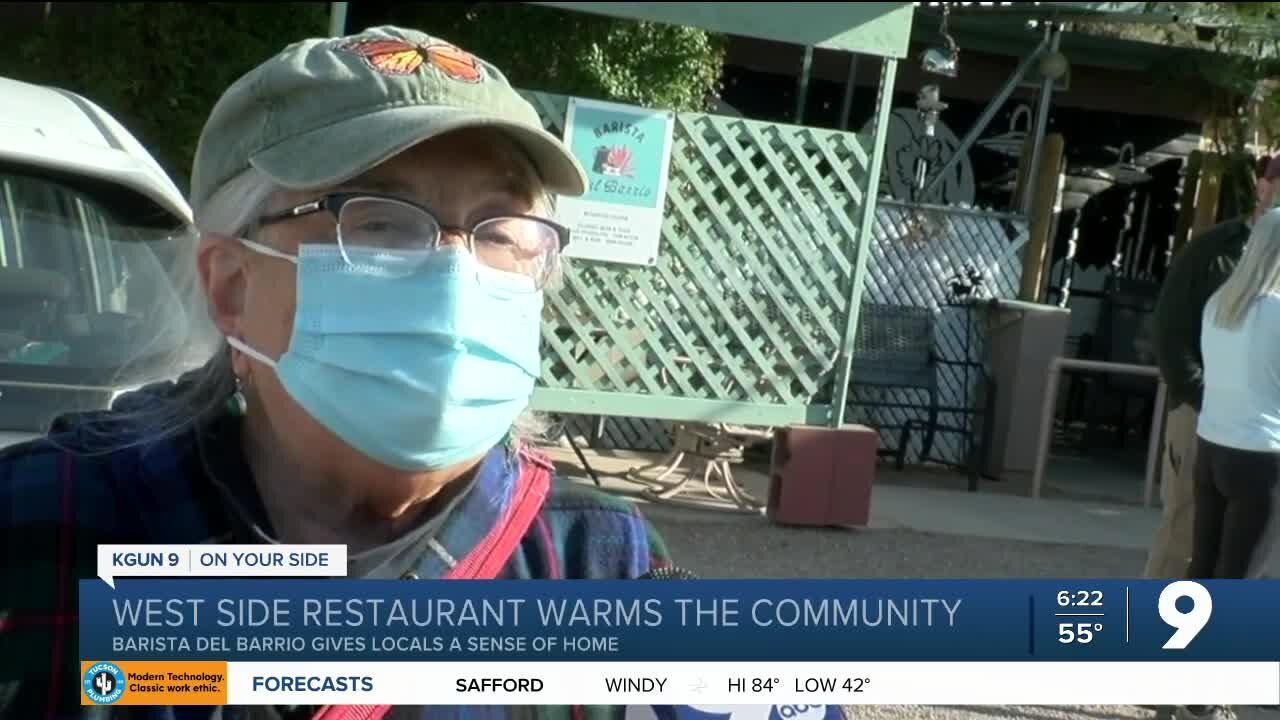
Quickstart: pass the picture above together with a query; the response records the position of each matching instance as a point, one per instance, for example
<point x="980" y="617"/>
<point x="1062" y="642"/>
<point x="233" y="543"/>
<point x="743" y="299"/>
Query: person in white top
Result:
<point x="1238" y="455"/>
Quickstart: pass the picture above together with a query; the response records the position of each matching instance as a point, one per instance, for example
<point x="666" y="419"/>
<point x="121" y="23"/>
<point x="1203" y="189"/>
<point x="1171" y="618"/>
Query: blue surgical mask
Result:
<point x="418" y="370"/>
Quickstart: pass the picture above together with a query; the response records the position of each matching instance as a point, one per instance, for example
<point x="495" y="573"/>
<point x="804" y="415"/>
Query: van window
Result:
<point x="85" y="298"/>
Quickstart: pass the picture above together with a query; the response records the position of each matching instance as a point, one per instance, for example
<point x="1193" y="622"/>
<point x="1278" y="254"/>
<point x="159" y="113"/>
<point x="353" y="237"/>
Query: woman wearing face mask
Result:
<point x="375" y="245"/>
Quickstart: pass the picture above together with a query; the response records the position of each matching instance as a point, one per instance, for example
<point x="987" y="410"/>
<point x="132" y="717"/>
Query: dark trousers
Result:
<point x="1233" y="505"/>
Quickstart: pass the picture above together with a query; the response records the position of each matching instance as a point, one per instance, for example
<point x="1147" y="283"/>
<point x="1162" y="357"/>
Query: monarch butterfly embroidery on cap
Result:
<point x="398" y="57"/>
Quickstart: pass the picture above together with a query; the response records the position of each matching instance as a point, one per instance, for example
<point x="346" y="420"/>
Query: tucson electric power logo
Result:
<point x="104" y="683"/>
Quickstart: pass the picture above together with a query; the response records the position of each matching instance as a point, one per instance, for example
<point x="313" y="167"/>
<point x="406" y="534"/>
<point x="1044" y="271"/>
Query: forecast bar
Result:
<point x="624" y="683"/>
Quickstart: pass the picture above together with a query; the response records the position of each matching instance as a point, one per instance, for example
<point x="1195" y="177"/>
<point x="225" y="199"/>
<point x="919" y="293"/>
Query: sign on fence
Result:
<point x="627" y="153"/>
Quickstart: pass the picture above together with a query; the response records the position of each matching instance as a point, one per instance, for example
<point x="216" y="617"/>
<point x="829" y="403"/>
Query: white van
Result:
<point x="96" y="261"/>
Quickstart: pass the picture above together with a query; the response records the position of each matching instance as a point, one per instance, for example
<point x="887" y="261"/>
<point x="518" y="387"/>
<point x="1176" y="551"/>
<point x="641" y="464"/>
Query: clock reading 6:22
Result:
<point x="1080" y="598"/>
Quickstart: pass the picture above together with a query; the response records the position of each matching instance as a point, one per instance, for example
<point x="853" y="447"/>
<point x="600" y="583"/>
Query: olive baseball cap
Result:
<point x="325" y="110"/>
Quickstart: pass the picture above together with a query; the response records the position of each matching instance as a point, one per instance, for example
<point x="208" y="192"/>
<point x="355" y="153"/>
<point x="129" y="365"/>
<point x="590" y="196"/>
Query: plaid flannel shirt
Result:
<point x="57" y="506"/>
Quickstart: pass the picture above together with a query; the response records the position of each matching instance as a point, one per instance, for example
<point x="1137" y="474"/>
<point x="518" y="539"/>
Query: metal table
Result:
<point x="1050" y="403"/>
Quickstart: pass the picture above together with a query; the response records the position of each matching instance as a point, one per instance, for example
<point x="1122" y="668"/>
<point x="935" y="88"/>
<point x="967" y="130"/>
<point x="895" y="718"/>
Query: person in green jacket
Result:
<point x="1197" y="271"/>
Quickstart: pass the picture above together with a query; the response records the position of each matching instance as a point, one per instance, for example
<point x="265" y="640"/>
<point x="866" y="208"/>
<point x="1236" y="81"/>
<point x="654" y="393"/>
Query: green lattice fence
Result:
<point x="743" y="316"/>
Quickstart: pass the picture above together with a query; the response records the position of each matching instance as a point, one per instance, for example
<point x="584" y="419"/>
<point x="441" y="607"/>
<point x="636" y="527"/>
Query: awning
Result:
<point x="871" y="28"/>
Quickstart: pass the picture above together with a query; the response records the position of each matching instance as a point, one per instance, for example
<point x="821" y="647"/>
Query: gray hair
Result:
<point x="207" y="388"/>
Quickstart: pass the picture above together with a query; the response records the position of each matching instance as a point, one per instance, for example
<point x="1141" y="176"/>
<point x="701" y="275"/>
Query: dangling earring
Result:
<point x="236" y="404"/>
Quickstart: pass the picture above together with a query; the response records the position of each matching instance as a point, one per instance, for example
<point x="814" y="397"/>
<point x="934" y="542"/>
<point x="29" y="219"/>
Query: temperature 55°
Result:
<point x="1077" y="632"/>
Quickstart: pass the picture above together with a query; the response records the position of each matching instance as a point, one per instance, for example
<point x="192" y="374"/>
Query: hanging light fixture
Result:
<point x="943" y="61"/>
<point x="1124" y="171"/>
<point x="940" y="62"/>
<point x="1011" y="142"/>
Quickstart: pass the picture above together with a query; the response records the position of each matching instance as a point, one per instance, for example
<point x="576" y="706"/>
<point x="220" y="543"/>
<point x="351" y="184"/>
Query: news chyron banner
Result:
<point x="280" y="625"/>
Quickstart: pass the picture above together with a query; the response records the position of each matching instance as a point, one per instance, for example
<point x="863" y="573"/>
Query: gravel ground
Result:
<point x="716" y="546"/>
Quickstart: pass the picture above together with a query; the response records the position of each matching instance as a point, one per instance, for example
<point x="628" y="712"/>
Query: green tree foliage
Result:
<point x="1246" y="38"/>
<point x="159" y="67"/>
<point x="1245" y="73"/>
<point x="1240" y="69"/>
<point x="573" y="53"/>
<point x="1250" y="18"/>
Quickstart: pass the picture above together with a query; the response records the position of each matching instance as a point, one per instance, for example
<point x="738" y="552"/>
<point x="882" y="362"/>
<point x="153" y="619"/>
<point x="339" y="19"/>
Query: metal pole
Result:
<point x="802" y="96"/>
<point x="847" y="107"/>
<point x="884" y="103"/>
<point x="1153" y="444"/>
<point x="1124" y="243"/>
<point x="980" y="125"/>
<point x="1069" y="260"/>
<point x="1042" y="121"/>
<point x="337" y="19"/>
<point x="1142" y="231"/>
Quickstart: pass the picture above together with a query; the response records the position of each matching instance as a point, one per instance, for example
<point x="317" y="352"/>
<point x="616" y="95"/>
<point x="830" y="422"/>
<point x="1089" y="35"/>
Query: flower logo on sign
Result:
<point x="613" y="161"/>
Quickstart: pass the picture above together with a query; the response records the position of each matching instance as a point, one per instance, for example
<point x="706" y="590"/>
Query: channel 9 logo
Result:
<point x="1187" y="624"/>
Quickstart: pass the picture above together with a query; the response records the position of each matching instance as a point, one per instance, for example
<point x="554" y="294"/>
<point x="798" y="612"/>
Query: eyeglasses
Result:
<point x="521" y="244"/>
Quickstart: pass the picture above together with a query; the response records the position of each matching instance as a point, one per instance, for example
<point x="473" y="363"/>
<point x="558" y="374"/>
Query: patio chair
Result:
<point x="1124" y="336"/>
<point x="716" y="447"/>
<point x="894" y="349"/>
